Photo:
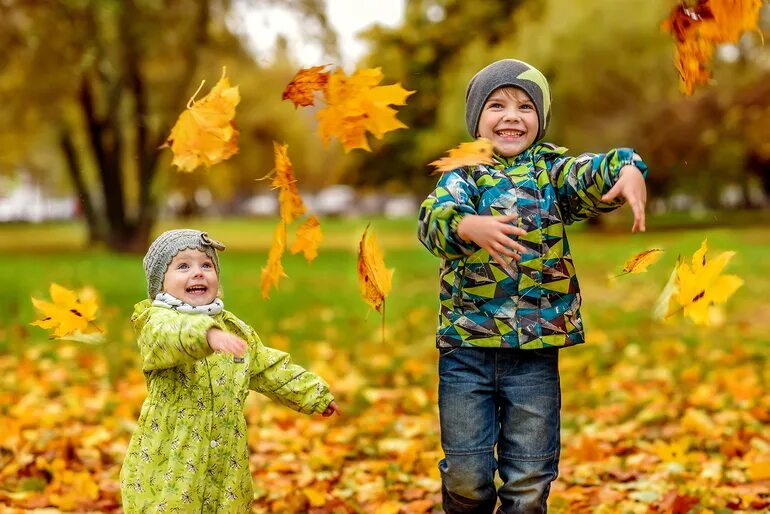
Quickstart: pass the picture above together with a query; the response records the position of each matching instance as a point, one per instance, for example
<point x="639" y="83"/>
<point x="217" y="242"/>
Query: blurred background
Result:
<point x="91" y="90"/>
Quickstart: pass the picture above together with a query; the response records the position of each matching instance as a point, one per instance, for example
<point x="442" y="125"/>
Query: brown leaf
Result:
<point x="304" y="84"/>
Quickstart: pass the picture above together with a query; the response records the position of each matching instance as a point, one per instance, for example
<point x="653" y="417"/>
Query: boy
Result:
<point x="509" y="296"/>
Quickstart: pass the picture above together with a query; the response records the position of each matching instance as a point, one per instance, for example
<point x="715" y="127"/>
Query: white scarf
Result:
<point x="167" y="301"/>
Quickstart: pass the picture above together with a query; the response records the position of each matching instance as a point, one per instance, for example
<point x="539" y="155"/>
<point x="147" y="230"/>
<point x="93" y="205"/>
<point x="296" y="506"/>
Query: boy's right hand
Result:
<point x="225" y="342"/>
<point x="492" y="233"/>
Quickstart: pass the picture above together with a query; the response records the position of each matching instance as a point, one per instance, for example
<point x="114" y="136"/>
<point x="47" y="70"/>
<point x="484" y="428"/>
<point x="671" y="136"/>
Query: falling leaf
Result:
<point x="641" y="261"/>
<point x="698" y="287"/>
<point x="273" y="270"/>
<point x="304" y="84"/>
<point x="356" y="104"/>
<point x="308" y="238"/>
<point x="289" y="199"/>
<point x="205" y="133"/>
<point x="698" y="27"/>
<point x="465" y="154"/>
<point x="373" y="277"/>
<point x="69" y="315"/>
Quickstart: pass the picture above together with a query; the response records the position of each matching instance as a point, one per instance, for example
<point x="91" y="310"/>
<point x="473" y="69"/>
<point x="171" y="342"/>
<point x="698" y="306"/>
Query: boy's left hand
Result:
<point x="631" y="187"/>
<point x="331" y="409"/>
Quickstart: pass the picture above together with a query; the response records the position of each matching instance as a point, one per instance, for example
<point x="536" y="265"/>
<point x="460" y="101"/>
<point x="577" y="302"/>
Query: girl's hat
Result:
<point x="508" y="72"/>
<point x="163" y="250"/>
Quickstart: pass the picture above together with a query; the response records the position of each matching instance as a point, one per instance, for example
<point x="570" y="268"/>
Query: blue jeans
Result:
<point x="505" y="397"/>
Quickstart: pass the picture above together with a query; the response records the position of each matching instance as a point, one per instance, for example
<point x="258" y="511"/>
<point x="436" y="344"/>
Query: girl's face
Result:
<point x="509" y="119"/>
<point x="192" y="278"/>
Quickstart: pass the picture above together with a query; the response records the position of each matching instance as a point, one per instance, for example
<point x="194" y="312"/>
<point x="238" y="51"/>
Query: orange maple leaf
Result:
<point x="289" y="199"/>
<point x="641" y="261"/>
<point x="205" y="133"/>
<point x="465" y="154"/>
<point x="356" y="104"/>
<point x="373" y="277"/>
<point x="697" y="29"/>
<point x="308" y="238"/>
<point x="273" y="270"/>
<point x="304" y="84"/>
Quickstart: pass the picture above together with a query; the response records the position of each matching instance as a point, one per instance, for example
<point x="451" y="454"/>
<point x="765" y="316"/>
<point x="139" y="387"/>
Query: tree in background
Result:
<point x="103" y="82"/>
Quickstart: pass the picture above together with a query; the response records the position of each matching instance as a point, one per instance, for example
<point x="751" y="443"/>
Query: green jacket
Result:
<point x="189" y="452"/>
<point x="534" y="303"/>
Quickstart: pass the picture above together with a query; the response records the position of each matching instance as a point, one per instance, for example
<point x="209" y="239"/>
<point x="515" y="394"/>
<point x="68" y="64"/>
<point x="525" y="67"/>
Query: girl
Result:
<point x="189" y="451"/>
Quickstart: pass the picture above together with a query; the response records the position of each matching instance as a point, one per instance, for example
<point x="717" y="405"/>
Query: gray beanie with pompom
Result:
<point x="163" y="250"/>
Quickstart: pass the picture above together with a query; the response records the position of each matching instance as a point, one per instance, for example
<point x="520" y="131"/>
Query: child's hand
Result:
<point x="225" y="342"/>
<point x="331" y="409"/>
<point x="630" y="186"/>
<point x="492" y="233"/>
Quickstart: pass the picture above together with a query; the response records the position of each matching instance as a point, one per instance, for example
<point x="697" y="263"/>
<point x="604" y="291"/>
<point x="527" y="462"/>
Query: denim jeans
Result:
<point x="505" y="397"/>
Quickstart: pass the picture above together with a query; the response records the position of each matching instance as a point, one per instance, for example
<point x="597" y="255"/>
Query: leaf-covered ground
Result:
<point x="656" y="418"/>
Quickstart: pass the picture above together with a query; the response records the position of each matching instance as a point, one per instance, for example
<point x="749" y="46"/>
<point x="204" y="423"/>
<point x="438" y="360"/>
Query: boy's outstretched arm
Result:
<point x="631" y="186"/>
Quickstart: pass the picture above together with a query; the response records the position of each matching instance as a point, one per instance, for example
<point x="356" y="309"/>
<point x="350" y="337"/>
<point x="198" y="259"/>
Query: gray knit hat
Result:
<point x="507" y="72"/>
<point x="163" y="250"/>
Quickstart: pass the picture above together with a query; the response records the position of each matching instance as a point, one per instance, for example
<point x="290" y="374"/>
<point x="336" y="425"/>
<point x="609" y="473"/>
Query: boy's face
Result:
<point x="509" y="119"/>
<point x="192" y="278"/>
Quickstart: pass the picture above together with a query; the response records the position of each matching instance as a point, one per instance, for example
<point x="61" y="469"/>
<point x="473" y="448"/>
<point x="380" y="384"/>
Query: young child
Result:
<point x="509" y="296"/>
<point x="189" y="451"/>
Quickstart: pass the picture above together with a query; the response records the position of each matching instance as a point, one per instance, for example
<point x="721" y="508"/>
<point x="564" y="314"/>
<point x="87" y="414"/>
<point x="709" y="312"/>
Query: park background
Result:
<point x="657" y="417"/>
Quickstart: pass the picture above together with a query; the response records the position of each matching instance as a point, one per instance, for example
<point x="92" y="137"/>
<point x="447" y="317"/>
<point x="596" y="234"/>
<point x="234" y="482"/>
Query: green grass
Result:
<point x="320" y="301"/>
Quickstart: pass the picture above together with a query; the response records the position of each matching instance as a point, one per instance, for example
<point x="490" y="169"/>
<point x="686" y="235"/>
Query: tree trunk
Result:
<point x="96" y="232"/>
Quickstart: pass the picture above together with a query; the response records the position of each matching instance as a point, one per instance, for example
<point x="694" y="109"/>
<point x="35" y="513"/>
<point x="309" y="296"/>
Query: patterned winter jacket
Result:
<point x="189" y="452"/>
<point x="534" y="303"/>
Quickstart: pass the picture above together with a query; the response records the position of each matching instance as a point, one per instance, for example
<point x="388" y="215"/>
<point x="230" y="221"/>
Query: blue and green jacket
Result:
<point x="535" y="303"/>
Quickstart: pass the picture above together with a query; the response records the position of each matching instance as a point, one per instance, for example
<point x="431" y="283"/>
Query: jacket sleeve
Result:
<point x="455" y="196"/>
<point x="168" y="338"/>
<point x="580" y="182"/>
<point x="274" y="375"/>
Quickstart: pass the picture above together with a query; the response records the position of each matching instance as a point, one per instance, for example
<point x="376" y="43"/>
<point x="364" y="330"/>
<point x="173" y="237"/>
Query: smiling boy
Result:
<point x="509" y="296"/>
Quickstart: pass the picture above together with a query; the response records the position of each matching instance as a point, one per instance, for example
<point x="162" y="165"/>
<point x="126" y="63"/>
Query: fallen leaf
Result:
<point x="304" y="84"/>
<point x="273" y="270"/>
<point x="373" y="277"/>
<point x="641" y="261"/>
<point x="465" y="154"/>
<point x="308" y="238"/>
<point x="205" y="133"/>
<point x="68" y="315"/>
<point x="289" y="199"/>
<point x="356" y="104"/>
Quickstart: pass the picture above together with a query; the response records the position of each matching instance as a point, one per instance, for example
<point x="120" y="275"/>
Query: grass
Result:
<point x="320" y="301"/>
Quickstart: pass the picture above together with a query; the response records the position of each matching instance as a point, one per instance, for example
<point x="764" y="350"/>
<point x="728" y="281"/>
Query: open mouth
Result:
<point x="510" y="133"/>
<point x="197" y="290"/>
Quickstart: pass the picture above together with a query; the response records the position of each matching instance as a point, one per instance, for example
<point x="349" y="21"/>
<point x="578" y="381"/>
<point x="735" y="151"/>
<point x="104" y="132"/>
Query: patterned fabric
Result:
<point x="168" y="301"/>
<point x="534" y="303"/>
<point x="189" y="451"/>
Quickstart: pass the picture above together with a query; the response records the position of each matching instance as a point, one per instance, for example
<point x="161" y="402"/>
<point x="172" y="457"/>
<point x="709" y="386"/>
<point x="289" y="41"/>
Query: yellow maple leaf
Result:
<point x="316" y="497"/>
<point x="465" y="154"/>
<point x="205" y="133"/>
<point x="641" y="261"/>
<point x="699" y="286"/>
<point x="373" y="277"/>
<point x="356" y="104"/>
<point x="304" y="84"/>
<point x="699" y="26"/>
<point x="69" y="315"/>
<point x="273" y="270"/>
<point x="289" y="199"/>
<point x="308" y="238"/>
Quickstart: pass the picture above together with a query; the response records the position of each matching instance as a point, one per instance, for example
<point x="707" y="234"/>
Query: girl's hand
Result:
<point x="492" y="233"/>
<point x="331" y="409"/>
<point x="225" y="342"/>
<point x="630" y="186"/>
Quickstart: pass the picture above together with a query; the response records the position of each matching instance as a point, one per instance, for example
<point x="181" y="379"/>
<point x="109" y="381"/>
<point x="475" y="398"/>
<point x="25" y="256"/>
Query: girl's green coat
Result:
<point x="189" y="451"/>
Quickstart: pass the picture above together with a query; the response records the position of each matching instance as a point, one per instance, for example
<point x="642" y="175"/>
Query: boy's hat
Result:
<point x="163" y="250"/>
<point x="508" y="72"/>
